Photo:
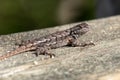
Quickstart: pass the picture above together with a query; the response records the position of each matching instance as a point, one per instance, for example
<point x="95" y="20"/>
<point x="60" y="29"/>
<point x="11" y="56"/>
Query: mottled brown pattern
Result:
<point x="52" y="41"/>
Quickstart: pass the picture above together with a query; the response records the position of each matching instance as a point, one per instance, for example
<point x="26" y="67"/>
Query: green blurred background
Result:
<point x="24" y="15"/>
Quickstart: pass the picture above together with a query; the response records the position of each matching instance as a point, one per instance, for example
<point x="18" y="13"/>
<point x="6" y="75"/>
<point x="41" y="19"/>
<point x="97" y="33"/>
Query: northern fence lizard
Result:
<point x="55" y="40"/>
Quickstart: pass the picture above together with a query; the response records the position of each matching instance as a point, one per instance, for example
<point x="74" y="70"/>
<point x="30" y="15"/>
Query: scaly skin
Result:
<point x="58" y="39"/>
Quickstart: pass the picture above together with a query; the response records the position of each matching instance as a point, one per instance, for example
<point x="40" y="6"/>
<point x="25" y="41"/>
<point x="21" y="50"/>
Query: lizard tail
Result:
<point x="15" y="52"/>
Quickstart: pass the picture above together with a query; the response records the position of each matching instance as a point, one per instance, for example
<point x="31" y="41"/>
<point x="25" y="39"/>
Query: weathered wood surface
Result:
<point x="99" y="62"/>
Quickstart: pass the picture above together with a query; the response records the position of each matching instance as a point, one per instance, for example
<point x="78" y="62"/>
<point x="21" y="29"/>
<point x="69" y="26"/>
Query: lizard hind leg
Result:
<point x="44" y="51"/>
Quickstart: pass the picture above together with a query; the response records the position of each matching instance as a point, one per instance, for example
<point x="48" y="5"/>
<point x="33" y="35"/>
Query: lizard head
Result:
<point x="79" y="29"/>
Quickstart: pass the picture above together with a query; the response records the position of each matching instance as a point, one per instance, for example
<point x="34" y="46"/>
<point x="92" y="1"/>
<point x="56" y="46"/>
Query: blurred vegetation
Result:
<point x="22" y="15"/>
<point x="88" y="11"/>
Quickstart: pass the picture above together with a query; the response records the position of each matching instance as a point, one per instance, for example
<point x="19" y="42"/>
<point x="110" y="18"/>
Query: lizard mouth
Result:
<point x="84" y="30"/>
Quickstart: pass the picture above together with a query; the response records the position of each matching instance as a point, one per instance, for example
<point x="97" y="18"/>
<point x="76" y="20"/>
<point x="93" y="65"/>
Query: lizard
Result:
<point x="42" y="45"/>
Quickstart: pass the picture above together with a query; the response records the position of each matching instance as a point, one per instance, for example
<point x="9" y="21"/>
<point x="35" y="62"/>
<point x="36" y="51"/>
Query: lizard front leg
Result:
<point x="76" y="43"/>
